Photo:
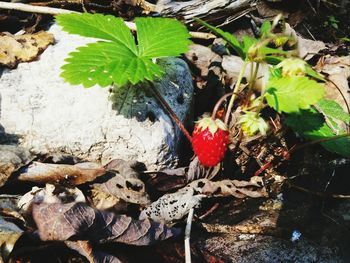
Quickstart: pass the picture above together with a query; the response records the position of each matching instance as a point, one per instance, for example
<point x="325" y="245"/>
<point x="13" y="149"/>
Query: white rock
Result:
<point x="94" y="124"/>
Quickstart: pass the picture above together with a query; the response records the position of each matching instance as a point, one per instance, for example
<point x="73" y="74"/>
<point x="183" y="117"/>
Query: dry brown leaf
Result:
<point x="23" y="48"/>
<point x="103" y="201"/>
<point x="43" y="173"/>
<point x="85" y="249"/>
<point x="239" y="189"/>
<point x="338" y="70"/>
<point x="172" y="207"/>
<point x="78" y="220"/>
<point x="123" y="183"/>
<point x="9" y="234"/>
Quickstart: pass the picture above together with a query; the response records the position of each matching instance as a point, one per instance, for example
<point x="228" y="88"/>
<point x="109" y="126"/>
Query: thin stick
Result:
<point x="170" y="111"/>
<point x="187" y="236"/>
<point x="34" y="9"/>
<point x="335" y="196"/>
<point x="57" y="11"/>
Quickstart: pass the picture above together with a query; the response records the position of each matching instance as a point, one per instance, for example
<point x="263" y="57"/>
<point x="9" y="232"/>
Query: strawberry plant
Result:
<point x="291" y="87"/>
<point x="116" y="58"/>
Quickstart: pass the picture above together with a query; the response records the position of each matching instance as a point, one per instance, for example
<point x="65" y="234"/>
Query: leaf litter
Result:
<point x="23" y="48"/>
<point x="81" y="217"/>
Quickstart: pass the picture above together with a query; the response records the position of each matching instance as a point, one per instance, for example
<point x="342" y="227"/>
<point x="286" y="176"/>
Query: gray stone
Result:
<point x="12" y="157"/>
<point x="50" y="116"/>
<point x="268" y="249"/>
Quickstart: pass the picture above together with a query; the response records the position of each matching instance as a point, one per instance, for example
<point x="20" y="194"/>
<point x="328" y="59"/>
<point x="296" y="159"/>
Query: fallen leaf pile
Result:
<point x="78" y="220"/>
<point x="22" y="48"/>
<point x="85" y="204"/>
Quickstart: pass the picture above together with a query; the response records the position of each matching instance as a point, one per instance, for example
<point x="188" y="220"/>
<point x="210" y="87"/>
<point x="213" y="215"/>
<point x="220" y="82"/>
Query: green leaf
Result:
<point x="264" y="50"/>
<point x="231" y="39"/>
<point x="248" y="42"/>
<point x="273" y="60"/>
<point x="161" y="37"/>
<point x="314" y="74"/>
<point x="265" y="28"/>
<point x="291" y="94"/>
<point x="333" y="110"/>
<point x="98" y="26"/>
<point x="275" y="72"/>
<point x="117" y="58"/>
<point x="311" y="125"/>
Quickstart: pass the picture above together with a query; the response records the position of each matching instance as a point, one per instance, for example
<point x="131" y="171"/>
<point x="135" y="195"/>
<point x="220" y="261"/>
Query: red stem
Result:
<point x="171" y="112"/>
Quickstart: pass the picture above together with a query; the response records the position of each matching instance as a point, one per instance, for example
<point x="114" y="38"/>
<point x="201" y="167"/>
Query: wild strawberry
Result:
<point x="209" y="141"/>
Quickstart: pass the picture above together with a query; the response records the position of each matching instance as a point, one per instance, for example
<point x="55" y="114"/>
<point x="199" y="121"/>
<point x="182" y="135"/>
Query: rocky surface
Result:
<point x="260" y="249"/>
<point x="48" y="115"/>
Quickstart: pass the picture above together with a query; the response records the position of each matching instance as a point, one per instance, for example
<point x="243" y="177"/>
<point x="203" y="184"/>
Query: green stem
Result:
<point x="253" y="78"/>
<point x="253" y="75"/>
<point x="235" y="91"/>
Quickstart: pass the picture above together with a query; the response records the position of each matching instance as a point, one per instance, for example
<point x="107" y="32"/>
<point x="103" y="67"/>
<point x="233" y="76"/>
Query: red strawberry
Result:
<point x="209" y="141"/>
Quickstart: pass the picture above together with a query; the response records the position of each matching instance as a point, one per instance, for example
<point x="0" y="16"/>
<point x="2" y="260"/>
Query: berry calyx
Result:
<point x="210" y="139"/>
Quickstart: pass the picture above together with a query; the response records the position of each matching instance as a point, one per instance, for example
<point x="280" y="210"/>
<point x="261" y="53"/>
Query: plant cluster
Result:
<point x="291" y="87"/>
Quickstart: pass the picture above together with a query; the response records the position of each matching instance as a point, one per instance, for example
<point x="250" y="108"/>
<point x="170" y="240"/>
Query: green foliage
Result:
<point x="231" y="39"/>
<point x="294" y="87"/>
<point x="332" y="22"/>
<point x="291" y="94"/>
<point x="250" y="48"/>
<point x="312" y="73"/>
<point x="117" y="58"/>
<point x="265" y="28"/>
<point x="333" y="110"/>
<point x="312" y="125"/>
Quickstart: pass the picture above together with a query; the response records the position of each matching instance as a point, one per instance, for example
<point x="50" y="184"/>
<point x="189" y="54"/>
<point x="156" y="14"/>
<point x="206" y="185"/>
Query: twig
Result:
<point x="309" y="33"/>
<point x="210" y="211"/>
<point x="202" y="35"/>
<point x="34" y="9"/>
<point x="341" y="94"/>
<point x="57" y="11"/>
<point x="187" y="236"/>
<point x="335" y="196"/>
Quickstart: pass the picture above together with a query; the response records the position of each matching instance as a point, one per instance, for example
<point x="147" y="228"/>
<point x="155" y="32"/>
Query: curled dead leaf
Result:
<point x="175" y="206"/>
<point x="43" y="173"/>
<point x="172" y="207"/>
<point x="122" y="182"/>
<point x="23" y="48"/>
<point x="78" y="220"/>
